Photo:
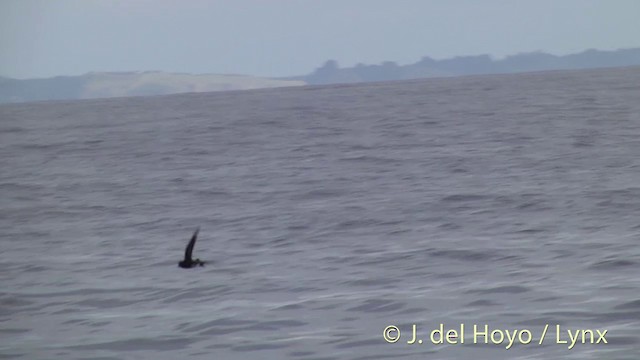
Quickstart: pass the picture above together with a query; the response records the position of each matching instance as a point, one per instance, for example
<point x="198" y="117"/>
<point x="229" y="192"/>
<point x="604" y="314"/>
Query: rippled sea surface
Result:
<point x="327" y="214"/>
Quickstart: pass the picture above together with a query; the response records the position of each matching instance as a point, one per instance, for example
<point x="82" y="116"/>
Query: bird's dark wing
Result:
<point x="192" y="242"/>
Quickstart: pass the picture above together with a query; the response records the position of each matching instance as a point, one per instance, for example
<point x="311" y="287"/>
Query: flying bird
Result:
<point x="188" y="262"/>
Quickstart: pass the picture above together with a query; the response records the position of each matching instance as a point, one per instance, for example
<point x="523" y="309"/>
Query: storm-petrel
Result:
<point x="188" y="262"/>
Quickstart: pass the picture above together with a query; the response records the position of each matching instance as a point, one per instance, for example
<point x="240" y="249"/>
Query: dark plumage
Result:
<point x="188" y="262"/>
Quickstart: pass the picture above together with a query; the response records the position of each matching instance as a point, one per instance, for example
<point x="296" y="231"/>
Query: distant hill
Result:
<point x="114" y="84"/>
<point x="330" y="72"/>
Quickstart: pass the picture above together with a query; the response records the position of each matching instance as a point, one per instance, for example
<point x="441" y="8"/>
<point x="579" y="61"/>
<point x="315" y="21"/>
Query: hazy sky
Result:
<point x="41" y="38"/>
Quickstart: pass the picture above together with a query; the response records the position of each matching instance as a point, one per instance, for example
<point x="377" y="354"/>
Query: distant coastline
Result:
<point x="147" y="83"/>
<point x="119" y="84"/>
<point x="331" y="73"/>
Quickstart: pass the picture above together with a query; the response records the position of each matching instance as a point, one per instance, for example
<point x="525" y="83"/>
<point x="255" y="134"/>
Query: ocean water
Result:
<point x="327" y="214"/>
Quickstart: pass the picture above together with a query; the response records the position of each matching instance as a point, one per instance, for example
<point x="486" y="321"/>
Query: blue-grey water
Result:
<point x="327" y="214"/>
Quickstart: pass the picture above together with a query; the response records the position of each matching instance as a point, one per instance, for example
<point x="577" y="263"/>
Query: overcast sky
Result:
<point x="293" y="37"/>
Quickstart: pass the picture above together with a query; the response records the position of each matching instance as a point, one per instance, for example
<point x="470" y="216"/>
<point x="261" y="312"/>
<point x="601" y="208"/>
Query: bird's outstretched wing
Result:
<point x="192" y="242"/>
